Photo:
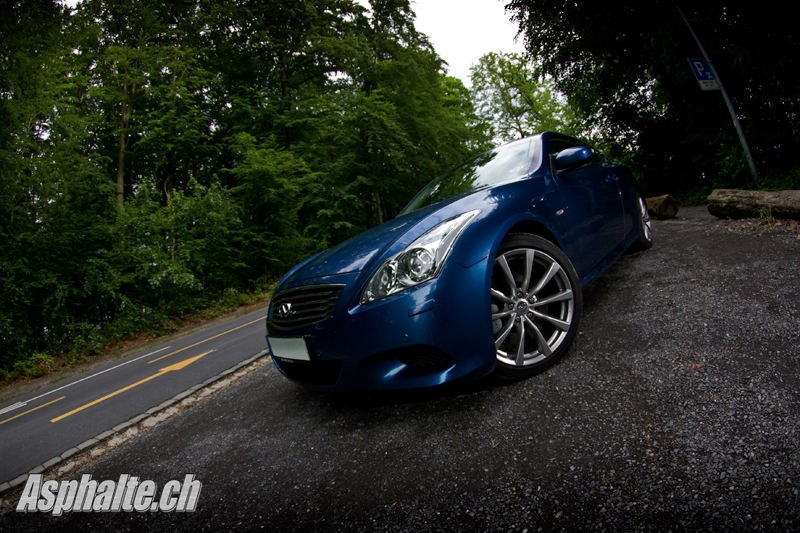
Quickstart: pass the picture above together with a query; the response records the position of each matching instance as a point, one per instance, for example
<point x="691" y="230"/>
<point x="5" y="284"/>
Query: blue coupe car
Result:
<point x="482" y="272"/>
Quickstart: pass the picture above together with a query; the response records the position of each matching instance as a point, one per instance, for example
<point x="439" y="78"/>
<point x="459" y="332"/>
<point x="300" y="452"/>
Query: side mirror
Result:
<point x="570" y="158"/>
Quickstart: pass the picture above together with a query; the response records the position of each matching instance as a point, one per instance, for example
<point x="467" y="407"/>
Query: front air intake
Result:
<point x="424" y="358"/>
<point x="302" y="306"/>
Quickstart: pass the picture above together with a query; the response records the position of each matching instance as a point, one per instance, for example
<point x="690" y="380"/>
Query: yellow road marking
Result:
<point x="176" y="366"/>
<point x="32" y="410"/>
<point x="208" y="339"/>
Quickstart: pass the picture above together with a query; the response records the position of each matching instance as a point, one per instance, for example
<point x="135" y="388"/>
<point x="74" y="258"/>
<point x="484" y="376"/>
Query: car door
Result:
<point x="594" y="203"/>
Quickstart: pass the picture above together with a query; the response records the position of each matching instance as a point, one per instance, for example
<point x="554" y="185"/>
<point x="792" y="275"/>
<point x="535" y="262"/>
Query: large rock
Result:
<point x="734" y="203"/>
<point x="662" y="207"/>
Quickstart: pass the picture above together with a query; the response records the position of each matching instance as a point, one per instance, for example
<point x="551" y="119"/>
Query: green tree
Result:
<point x="30" y="41"/>
<point x="398" y="121"/>
<point x="272" y="185"/>
<point x="517" y="100"/>
<point x="156" y="157"/>
<point x="117" y="36"/>
<point x="624" y="65"/>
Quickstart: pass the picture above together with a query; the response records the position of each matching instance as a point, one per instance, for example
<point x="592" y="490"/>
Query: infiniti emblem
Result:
<point x="285" y="310"/>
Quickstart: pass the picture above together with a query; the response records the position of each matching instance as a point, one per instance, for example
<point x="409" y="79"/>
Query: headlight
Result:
<point x="420" y="261"/>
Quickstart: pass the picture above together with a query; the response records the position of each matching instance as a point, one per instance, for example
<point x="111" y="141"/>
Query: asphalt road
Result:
<point x="676" y="409"/>
<point x="44" y="424"/>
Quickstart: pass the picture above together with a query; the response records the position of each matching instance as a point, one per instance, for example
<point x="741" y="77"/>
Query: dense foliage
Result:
<point x="623" y="64"/>
<point x="516" y="100"/>
<point x="158" y="156"/>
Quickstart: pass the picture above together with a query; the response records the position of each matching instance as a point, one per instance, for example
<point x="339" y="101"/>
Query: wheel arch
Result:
<point x="533" y="227"/>
<point x="521" y="223"/>
<point x="525" y="224"/>
<point x="517" y="225"/>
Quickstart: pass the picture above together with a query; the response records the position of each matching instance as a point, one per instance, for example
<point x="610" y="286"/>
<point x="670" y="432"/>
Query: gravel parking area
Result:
<point x="676" y="409"/>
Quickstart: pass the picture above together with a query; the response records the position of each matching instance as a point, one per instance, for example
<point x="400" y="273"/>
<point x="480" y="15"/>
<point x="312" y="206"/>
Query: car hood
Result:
<point x="357" y="253"/>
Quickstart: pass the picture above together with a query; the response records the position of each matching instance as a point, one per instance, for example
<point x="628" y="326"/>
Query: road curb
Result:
<point x="89" y="443"/>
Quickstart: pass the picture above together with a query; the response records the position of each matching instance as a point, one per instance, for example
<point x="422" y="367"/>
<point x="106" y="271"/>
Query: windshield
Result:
<point x="503" y="163"/>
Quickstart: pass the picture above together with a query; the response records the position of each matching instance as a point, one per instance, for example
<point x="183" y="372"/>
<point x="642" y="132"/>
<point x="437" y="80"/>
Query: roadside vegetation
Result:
<point x="163" y="160"/>
<point x="40" y="364"/>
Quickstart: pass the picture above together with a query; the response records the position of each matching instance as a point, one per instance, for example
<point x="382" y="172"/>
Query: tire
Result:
<point x="645" y="239"/>
<point x="536" y="305"/>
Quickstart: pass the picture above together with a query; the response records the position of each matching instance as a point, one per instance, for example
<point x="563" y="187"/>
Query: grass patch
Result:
<point x="766" y="217"/>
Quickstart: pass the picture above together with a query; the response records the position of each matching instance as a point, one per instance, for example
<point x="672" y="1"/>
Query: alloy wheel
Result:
<point x="533" y="304"/>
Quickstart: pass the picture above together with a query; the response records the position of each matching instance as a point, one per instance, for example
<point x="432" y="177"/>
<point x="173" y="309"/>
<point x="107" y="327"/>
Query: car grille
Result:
<point x="304" y="305"/>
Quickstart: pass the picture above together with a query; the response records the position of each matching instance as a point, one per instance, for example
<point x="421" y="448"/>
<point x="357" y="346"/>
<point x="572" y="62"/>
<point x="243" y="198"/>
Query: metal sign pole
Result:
<point x="724" y="97"/>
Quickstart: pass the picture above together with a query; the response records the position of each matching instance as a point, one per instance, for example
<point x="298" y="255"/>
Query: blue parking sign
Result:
<point x="704" y="74"/>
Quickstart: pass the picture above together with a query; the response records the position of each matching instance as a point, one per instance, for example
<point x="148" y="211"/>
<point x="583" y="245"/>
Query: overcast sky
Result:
<point x="463" y="30"/>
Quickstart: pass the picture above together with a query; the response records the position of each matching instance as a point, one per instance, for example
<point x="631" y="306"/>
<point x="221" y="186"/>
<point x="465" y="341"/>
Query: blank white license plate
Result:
<point x="289" y="349"/>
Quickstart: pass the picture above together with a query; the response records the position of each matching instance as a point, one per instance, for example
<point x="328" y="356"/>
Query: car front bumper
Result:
<point x="430" y="335"/>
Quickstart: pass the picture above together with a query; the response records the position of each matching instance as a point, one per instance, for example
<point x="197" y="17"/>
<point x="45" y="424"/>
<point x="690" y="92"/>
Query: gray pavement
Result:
<point x="54" y="422"/>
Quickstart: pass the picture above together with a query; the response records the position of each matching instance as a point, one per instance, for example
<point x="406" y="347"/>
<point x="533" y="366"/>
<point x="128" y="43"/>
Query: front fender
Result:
<point x="526" y="204"/>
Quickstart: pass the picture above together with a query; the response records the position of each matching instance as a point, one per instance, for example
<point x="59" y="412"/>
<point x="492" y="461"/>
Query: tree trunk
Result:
<point x="378" y="207"/>
<point x="733" y="203"/>
<point x="121" y="169"/>
<point x="123" y="143"/>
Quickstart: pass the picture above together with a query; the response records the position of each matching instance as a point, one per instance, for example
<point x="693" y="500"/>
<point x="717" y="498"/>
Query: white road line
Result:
<point x="22" y="404"/>
<point x="12" y="407"/>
